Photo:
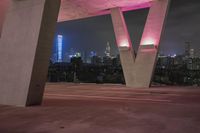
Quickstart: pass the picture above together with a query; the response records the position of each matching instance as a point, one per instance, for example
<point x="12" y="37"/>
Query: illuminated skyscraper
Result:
<point x="59" y="48"/>
<point x="192" y="52"/>
<point x="108" y="50"/>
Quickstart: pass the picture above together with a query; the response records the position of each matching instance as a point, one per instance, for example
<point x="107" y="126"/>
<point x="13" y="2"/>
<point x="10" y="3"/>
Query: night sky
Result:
<point x="92" y="34"/>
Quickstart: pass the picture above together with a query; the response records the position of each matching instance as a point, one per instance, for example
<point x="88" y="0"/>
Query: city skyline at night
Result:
<point x="99" y="66"/>
<point x="92" y="34"/>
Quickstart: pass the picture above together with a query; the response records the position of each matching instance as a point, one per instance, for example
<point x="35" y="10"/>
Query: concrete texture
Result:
<point x="90" y="108"/>
<point x="127" y="55"/>
<point x="76" y="9"/>
<point x="3" y="9"/>
<point x="26" y="42"/>
<point x="127" y="58"/>
<point x="148" y="50"/>
<point x="138" y="72"/>
<point x="27" y="37"/>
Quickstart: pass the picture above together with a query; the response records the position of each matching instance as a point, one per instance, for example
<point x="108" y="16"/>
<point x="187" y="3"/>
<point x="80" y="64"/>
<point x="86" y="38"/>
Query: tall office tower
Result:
<point x="187" y="49"/>
<point x="96" y="60"/>
<point x="108" y="50"/>
<point x="59" y="48"/>
<point x="84" y="56"/>
<point x="192" y="52"/>
<point x="93" y="53"/>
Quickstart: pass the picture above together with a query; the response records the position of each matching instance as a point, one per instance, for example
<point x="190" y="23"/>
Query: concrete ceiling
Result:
<point x="76" y="9"/>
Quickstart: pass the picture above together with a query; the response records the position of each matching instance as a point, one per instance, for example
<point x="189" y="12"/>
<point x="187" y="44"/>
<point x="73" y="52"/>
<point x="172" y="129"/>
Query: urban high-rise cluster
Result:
<point x="186" y="65"/>
<point x="88" y="57"/>
<point x="190" y="56"/>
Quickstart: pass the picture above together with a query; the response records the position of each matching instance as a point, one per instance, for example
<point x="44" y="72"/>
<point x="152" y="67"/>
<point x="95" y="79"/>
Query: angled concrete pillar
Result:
<point x="3" y="9"/>
<point x="26" y="43"/>
<point x="138" y="72"/>
<point x="127" y="55"/>
<point x="148" y="49"/>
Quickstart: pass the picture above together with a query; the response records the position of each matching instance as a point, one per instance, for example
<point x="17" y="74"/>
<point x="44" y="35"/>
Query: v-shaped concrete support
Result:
<point x="138" y="71"/>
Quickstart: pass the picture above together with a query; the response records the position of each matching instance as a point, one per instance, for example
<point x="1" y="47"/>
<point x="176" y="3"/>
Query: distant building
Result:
<point x="77" y="54"/>
<point x="108" y="50"/>
<point x="107" y="60"/>
<point x="187" y="49"/>
<point x="116" y="61"/>
<point x="71" y="53"/>
<point x="85" y="57"/>
<point x="96" y="60"/>
<point x="189" y="52"/>
<point x="93" y="53"/>
<point x="59" y="48"/>
<point x="179" y="60"/>
<point x="66" y="57"/>
<point x="193" y="64"/>
<point x="192" y="53"/>
<point x="54" y="57"/>
<point x="197" y="53"/>
<point x="165" y="61"/>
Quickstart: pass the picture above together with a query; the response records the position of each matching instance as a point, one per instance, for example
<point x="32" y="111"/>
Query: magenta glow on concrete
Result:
<point x="123" y="9"/>
<point x="148" y="40"/>
<point x="148" y="49"/>
<point x="141" y="6"/>
<point x="76" y="9"/>
<point x="154" y="25"/>
<point x="120" y="28"/>
<point x="124" y="43"/>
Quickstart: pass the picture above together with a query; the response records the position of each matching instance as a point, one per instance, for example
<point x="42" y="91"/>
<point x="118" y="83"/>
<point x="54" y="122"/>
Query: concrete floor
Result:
<point x="90" y="108"/>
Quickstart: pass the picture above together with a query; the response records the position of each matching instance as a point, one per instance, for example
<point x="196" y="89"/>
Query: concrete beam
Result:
<point x="26" y="43"/>
<point x="127" y="55"/>
<point x="148" y="49"/>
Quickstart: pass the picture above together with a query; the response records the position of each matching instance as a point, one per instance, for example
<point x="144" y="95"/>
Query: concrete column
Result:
<point x="3" y="8"/>
<point x="26" y="43"/>
<point x="148" y="49"/>
<point x="127" y="55"/>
